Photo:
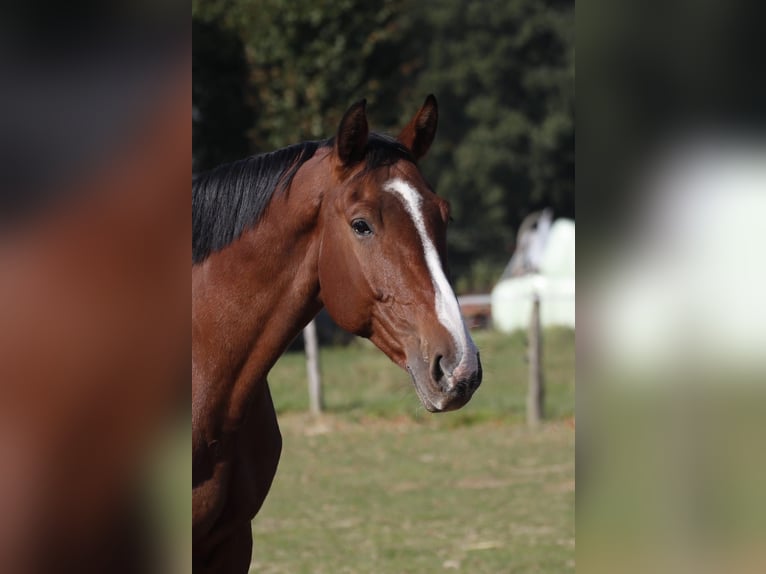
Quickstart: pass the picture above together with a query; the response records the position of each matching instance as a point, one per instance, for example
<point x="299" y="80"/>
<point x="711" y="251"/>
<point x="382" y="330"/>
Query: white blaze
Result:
<point x="447" y="308"/>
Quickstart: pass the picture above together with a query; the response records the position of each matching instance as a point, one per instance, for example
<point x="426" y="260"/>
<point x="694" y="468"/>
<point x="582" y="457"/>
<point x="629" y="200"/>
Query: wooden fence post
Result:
<point x="316" y="400"/>
<point x="536" y="390"/>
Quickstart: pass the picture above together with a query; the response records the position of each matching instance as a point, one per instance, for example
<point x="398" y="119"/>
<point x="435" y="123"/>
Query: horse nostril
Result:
<point x="436" y="368"/>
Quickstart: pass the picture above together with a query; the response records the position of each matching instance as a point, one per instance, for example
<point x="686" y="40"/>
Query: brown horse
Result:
<point x="348" y="223"/>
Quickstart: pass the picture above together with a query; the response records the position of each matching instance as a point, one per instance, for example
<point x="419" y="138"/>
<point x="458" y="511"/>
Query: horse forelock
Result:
<point x="384" y="151"/>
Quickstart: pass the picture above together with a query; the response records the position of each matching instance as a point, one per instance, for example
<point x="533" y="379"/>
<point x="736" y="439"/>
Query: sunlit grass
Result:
<point x="392" y="497"/>
<point x="378" y="485"/>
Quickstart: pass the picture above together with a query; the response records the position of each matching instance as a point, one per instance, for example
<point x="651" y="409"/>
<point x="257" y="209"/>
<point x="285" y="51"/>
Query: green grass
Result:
<point x="395" y="497"/>
<point x="377" y="485"/>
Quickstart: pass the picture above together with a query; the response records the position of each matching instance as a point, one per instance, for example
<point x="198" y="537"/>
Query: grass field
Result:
<point x="378" y="485"/>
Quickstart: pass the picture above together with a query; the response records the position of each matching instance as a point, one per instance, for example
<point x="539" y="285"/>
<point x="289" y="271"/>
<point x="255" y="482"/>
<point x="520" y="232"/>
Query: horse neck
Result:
<point x="251" y="299"/>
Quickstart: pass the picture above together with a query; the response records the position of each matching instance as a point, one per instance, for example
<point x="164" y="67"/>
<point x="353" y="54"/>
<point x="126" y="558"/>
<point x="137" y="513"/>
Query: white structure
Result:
<point x="543" y="264"/>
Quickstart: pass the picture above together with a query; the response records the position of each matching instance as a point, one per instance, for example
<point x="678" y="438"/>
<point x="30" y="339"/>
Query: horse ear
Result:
<point x="351" y="139"/>
<point x="419" y="133"/>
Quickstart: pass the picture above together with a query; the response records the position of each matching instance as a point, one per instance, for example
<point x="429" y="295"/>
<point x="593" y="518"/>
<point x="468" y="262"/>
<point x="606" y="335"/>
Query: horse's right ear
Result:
<point x="351" y="139"/>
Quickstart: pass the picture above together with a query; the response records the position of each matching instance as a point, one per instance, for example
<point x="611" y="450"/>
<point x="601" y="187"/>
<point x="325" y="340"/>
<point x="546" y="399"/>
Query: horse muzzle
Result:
<point x="441" y="387"/>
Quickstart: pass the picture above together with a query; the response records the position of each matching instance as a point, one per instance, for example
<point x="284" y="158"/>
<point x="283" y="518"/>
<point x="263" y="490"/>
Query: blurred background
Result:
<point x="374" y="483"/>
<point x="94" y="286"/>
<point x="671" y="190"/>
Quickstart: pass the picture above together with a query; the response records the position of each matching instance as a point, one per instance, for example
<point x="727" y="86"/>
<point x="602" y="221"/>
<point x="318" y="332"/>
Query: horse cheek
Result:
<point x="342" y="292"/>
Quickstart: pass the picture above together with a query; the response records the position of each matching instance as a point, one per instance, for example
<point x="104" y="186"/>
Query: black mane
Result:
<point x="231" y="198"/>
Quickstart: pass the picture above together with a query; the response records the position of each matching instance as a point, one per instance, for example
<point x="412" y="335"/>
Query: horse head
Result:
<point x="383" y="257"/>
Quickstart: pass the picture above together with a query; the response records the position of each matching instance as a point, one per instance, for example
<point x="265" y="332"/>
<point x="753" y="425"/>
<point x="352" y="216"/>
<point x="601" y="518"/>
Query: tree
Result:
<point x="309" y="59"/>
<point x="221" y="113"/>
<point x="504" y="75"/>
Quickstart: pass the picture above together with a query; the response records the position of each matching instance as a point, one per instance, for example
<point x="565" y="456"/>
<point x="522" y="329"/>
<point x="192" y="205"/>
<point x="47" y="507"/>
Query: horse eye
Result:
<point x="361" y="227"/>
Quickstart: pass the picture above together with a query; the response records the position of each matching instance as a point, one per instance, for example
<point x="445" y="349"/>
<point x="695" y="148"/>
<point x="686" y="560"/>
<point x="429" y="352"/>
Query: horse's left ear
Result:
<point x="419" y="133"/>
<point x="351" y="139"/>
